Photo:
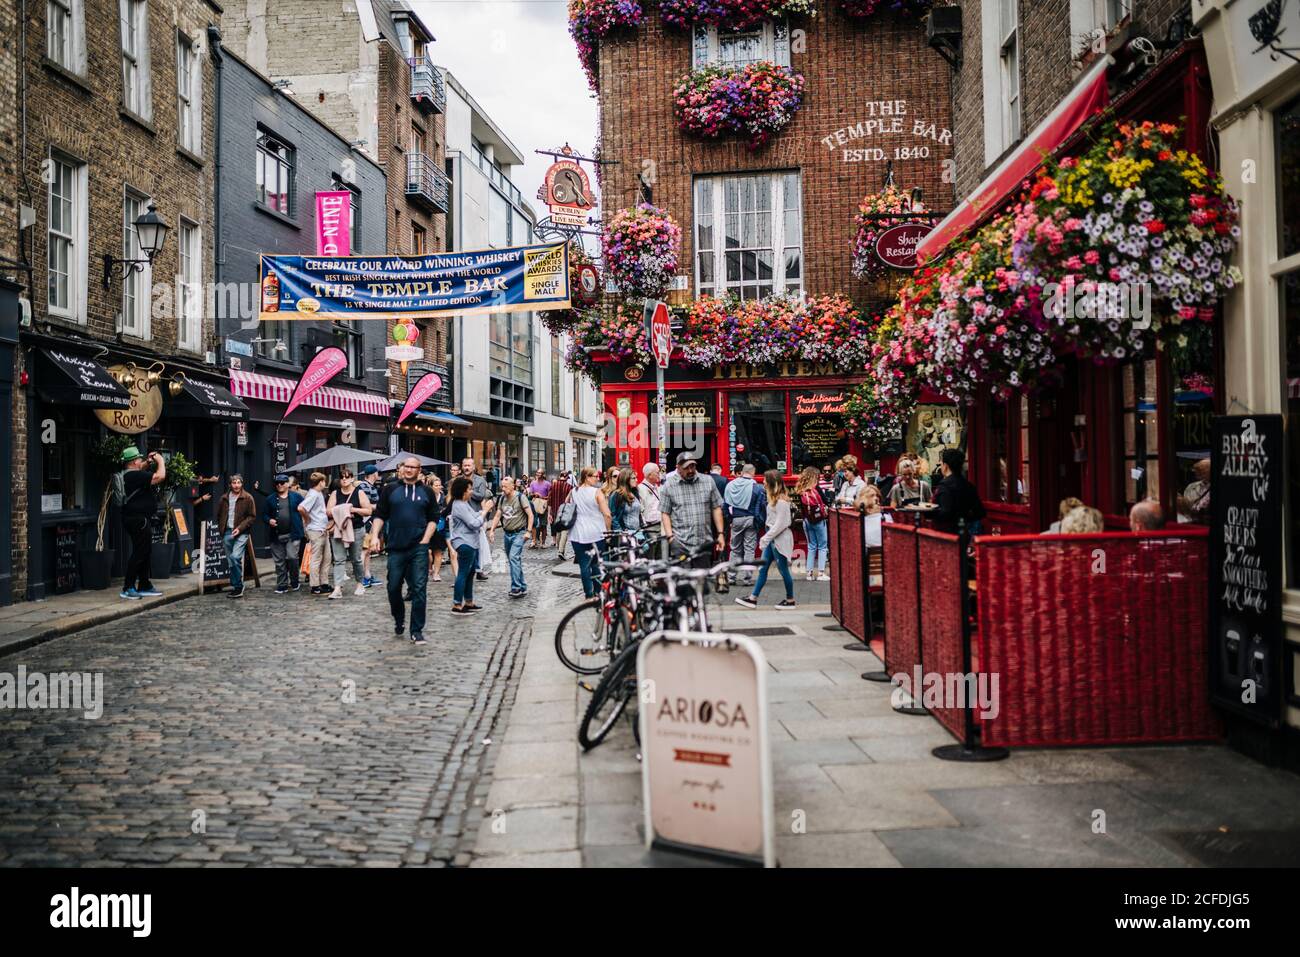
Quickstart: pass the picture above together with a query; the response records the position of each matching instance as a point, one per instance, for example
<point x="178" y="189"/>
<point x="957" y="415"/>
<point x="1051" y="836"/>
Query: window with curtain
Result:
<point x="748" y="235"/>
<point x="557" y="365"/>
<point x="134" y="27"/>
<point x="189" y="85"/>
<point x="190" y="283"/>
<point x="717" y="46"/>
<point x="136" y="284"/>
<point x="275" y="173"/>
<point x="66" y="256"/>
<point x="1139" y="478"/>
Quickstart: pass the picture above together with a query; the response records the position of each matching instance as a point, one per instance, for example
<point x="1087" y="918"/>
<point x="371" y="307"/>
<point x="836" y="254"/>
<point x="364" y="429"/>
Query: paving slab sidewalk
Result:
<point x="855" y="784"/>
<point x="28" y="623"/>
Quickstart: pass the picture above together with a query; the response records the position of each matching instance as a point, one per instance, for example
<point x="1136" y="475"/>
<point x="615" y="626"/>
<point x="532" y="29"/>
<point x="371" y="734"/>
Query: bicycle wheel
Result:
<point x="582" y="639"/>
<point x="616" y="687"/>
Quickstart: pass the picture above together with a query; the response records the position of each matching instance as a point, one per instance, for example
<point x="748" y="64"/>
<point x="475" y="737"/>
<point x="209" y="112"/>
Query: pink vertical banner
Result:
<point x="429" y="383"/>
<point x="324" y="366"/>
<point x="333" y="236"/>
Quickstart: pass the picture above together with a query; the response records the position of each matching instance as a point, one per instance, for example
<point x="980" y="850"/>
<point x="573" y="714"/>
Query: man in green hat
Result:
<point x="139" y="506"/>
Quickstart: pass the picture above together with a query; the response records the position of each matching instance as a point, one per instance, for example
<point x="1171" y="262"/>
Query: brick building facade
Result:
<point x="110" y="128"/>
<point x="371" y="79"/>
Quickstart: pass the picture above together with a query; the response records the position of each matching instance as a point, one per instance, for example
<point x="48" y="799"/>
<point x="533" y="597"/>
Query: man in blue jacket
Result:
<point x="284" y="527"/>
<point x="745" y="503"/>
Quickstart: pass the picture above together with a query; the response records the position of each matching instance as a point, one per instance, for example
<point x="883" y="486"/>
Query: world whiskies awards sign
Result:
<point x="522" y="278"/>
<point x="1246" y="525"/>
<point x="706" y="765"/>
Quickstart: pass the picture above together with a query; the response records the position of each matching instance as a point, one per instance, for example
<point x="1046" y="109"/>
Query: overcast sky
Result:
<point x="516" y="58"/>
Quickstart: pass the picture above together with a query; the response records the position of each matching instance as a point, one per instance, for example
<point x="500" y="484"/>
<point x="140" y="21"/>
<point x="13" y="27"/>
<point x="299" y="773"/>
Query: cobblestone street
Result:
<point x="272" y="730"/>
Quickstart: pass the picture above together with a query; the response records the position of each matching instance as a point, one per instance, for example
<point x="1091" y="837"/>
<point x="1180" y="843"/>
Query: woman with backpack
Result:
<point x="777" y="543"/>
<point x="514" y="516"/>
<point x="809" y="498"/>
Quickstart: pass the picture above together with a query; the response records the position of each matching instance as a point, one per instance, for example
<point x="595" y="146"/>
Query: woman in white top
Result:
<point x="868" y="503"/>
<point x="850" y="487"/>
<point x="777" y="543"/>
<point x="590" y="523"/>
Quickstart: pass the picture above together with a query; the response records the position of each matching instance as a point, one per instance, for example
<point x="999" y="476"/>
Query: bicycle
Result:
<point x="617" y="695"/>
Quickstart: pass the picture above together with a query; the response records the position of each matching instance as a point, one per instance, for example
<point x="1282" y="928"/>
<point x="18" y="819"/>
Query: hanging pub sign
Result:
<point x="588" y="285"/>
<point x="1247" y="487"/>
<point x="333" y="211"/>
<point x="567" y="191"/>
<point x="517" y="279"/>
<point x="896" y="246"/>
<point x="146" y="404"/>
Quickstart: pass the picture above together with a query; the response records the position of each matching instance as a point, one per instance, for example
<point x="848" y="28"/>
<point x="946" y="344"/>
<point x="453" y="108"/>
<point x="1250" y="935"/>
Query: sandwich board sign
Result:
<point x="214" y="564"/>
<point x="706" y="766"/>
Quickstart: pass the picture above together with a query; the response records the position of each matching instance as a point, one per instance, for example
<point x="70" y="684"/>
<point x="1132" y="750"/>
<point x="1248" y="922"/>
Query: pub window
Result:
<point x="64" y="469"/>
<point x="1287" y="135"/>
<point x="999" y="438"/>
<point x="748" y="235"/>
<point x="718" y="46"/>
<point x="818" y="436"/>
<point x="759" y="421"/>
<point x="1022" y="452"/>
<point x="1140" y="463"/>
<point x="275" y="173"/>
<point x="1192" y="383"/>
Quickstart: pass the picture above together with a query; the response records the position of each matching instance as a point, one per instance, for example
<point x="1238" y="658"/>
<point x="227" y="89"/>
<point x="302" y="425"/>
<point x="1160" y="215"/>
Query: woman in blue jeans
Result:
<point x="814" y="523"/>
<point x="466" y="527"/>
<point x="590" y="523"/>
<point x="777" y="544"/>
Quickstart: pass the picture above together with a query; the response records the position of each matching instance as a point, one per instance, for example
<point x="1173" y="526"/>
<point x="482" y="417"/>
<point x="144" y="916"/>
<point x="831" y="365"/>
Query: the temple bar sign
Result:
<point x="779" y="370"/>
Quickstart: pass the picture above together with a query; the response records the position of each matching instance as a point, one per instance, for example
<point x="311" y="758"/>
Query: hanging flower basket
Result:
<point x="876" y="213"/>
<point x="861" y="9"/>
<point x="641" y="245"/>
<point x="754" y="101"/>
<point x="876" y="420"/>
<point x="777" y="329"/>
<point x="732" y="14"/>
<point x="592" y="20"/>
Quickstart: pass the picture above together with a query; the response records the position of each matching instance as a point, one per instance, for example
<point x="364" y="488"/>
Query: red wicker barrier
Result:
<point x="850" y="570"/>
<point x="941" y="624"/>
<point x="1095" y="639"/>
<point x="837" y="576"/>
<point x="902" y="646"/>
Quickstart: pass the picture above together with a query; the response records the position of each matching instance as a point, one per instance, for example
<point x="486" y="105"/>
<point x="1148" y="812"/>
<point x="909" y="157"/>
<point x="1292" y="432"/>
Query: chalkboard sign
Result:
<point x="216" y="567"/>
<point x="65" y="559"/>
<point x="1246" y="489"/>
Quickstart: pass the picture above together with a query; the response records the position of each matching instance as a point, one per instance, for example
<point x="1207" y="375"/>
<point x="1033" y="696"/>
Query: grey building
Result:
<point x="274" y="157"/>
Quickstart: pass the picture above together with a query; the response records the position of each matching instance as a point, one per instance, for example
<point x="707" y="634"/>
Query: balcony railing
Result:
<point x="427" y="89"/>
<point x="426" y="183"/>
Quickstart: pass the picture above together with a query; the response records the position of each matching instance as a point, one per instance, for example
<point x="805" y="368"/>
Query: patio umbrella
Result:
<point x="332" y="458"/>
<point x="390" y="463"/>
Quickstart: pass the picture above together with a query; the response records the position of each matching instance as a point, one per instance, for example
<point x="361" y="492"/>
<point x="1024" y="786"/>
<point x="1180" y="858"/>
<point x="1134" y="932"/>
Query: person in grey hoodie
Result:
<point x="746" y="505"/>
<point x="777" y="542"/>
<point x="466" y="529"/>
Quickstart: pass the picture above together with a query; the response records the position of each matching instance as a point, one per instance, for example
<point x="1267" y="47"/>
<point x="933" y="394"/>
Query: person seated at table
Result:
<point x="1146" y="516"/>
<point x="908" y="488"/>
<point x="1194" y="503"/>
<point x="1067" y="506"/>
<point x="1081" y="520"/>
<point x="956" y="500"/>
<point x="868" y="503"/>
<point x="850" y="487"/>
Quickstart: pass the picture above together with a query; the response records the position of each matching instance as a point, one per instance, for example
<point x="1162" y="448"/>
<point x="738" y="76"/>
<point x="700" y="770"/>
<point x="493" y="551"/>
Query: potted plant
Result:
<point x="180" y="474"/>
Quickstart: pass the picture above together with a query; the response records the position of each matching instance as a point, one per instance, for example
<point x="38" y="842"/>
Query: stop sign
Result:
<point x="661" y="334"/>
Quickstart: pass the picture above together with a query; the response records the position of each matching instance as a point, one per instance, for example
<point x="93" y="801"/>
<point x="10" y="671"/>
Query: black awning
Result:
<point x="66" y="378"/>
<point x="207" y="400"/>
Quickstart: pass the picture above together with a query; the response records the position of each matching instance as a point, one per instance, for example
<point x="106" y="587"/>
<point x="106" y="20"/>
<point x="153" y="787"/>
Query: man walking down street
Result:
<point x="692" y="513"/>
<point x="280" y="513"/>
<point x="314" y="514"/>
<point x="408" y="512"/>
<point x="479" y="490"/>
<point x="746" y="504"/>
<point x="515" y="518"/>
<point x="651" y="514"/>
<point x="235" y="516"/>
<point x="139" y="506"/>
<point x="561" y="488"/>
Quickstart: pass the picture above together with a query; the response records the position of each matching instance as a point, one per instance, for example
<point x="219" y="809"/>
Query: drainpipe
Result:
<point x="227" y="443"/>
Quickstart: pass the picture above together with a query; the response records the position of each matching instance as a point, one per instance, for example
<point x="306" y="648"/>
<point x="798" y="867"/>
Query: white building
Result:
<point x="527" y="410"/>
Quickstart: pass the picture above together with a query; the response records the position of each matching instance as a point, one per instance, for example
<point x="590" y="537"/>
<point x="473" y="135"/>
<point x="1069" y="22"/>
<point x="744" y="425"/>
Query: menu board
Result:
<point x="66" y="578"/>
<point x="1246" y="489"/>
<point x="216" y="567"/>
<point x="821" y="438"/>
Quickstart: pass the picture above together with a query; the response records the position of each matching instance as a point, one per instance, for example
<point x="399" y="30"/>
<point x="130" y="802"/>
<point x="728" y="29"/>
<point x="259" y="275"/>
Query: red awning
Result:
<point x="1089" y="97"/>
<point x="268" y="388"/>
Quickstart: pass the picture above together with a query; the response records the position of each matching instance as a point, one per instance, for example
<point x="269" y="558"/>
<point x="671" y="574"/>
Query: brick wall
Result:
<point x="9" y="194"/>
<point x="1048" y="69"/>
<point x="847" y="66"/>
<point x="82" y="118"/>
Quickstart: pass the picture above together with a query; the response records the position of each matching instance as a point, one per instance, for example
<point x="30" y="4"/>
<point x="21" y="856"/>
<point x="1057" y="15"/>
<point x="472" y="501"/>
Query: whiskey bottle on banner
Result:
<point x="270" y="292"/>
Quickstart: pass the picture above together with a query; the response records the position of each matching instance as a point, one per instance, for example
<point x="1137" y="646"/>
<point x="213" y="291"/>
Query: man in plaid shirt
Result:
<point x="692" y="512"/>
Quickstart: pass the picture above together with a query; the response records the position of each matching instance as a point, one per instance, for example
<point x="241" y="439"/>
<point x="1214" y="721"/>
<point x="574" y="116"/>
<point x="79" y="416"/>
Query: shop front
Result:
<point x="1255" y="66"/>
<point x="10" y="311"/>
<point x="784" y="416"/>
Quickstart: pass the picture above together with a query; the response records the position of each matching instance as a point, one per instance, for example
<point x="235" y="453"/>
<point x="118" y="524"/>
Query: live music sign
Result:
<point x="896" y="246"/>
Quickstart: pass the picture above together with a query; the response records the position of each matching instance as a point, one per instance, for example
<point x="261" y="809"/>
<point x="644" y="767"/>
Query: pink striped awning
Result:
<point x="270" y="388"/>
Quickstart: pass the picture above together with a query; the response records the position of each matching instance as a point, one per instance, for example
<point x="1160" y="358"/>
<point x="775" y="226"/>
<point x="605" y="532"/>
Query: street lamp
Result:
<point x="151" y="233"/>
